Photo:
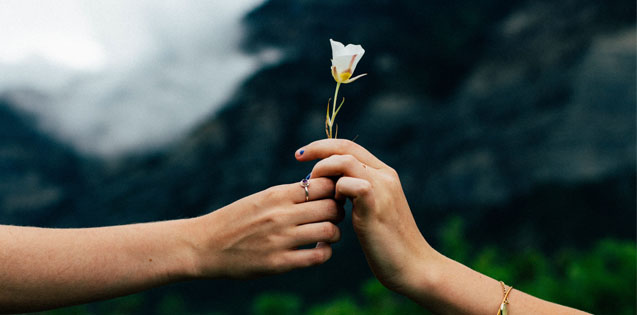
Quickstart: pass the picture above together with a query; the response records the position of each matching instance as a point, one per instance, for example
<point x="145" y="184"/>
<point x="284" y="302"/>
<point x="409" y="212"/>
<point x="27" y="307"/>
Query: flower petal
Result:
<point x="342" y="62"/>
<point x="354" y="78"/>
<point x="352" y="49"/>
<point x="337" y="48"/>
<point x="356" y="60"/>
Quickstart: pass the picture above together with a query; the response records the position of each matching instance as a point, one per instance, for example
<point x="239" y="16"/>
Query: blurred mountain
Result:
<point x="517" y="115"/>
<point x="40" y="177"/>
<point x="545" y="96"/>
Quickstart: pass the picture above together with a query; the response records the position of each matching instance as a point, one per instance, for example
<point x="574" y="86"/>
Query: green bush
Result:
<point x="276" y="304"/>
<point x="601" y="280"/>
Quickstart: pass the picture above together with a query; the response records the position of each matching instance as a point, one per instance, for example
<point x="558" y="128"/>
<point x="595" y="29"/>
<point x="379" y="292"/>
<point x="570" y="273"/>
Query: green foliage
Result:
<point x="172" y="304"/>
<point x="600" y="280"/>
<point x="338" y="306"/>
<point x="604" y="278"/>
<point x="374" y="298"/>
<point x="277" y="304"/>
<point x="124" y="305"/>
<point x="453" y="240"/>
<point x="380" y="300"/>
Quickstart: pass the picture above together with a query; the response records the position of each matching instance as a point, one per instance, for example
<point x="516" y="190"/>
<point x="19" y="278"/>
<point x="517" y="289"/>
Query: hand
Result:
<point x="259" y="234"/>
<point x="254" y="236"/>
<point x="393" y="245"/>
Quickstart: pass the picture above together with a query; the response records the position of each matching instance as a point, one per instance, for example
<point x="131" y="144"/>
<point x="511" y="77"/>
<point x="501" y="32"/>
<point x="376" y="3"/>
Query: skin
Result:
<point x="255" y="236"/>
<point x="396" y="251"/>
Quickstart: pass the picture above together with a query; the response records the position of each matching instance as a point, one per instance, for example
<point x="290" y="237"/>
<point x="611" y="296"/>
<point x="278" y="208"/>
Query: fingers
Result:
<point x="318" y="211"/>
<point x="357" y="189"/>
<point x="323" y="148"/>
<point x="319" y="188"/>
<point x="339" y="165"/>
<point x="315" y="232"/>
<point x="309" y="257"/>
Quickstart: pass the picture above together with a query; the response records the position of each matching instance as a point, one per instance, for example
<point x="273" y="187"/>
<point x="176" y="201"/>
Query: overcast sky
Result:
<point x="120" y="76"/>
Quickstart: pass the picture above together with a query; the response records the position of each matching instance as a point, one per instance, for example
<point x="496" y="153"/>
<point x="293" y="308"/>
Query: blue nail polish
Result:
<point x="308" y="176"/>
<point x="301" y="152"/>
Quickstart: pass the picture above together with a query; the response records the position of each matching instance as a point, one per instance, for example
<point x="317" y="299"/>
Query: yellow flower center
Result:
<point x="344" y="76"/>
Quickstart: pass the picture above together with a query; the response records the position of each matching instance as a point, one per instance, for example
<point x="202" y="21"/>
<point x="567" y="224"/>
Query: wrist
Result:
<point x="185" y="257"/>
<point x="425" y="274"/>
<point x="202" y="253"/>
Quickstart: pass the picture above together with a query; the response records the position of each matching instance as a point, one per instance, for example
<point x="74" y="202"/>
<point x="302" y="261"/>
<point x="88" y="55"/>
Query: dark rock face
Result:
<point x="39" y="178"/>
<point x="544" y="107"/>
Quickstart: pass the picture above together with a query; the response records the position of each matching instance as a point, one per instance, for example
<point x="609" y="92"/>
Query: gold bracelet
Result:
<point x="505" y="301"/>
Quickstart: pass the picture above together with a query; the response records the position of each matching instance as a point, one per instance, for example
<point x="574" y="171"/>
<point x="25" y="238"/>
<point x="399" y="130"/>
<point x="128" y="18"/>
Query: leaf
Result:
<point x="339" y="107"/>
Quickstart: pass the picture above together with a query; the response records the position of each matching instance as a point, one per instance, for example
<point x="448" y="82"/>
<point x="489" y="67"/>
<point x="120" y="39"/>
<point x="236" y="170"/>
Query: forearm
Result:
<point x="45" y="268"/>
<point x="257" y="235"/>
<point x="448" y="287"/>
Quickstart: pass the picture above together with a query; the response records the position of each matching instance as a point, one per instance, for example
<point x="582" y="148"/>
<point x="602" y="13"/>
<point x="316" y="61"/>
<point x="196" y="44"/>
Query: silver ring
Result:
<point x="305" y="183"/>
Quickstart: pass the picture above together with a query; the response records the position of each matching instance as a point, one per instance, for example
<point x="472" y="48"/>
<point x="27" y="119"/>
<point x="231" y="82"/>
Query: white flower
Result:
<point x="344" y="61"/>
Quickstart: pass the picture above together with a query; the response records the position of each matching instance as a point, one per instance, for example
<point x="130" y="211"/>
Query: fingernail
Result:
<point x="301" y="152"/>
<point x="308" y="176"/>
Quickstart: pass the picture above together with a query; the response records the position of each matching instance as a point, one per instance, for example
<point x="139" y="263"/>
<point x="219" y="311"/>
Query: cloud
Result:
<point x="123" y="76"/>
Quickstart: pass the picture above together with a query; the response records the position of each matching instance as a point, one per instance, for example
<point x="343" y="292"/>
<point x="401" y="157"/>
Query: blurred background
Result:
<point x="511" y="124"/>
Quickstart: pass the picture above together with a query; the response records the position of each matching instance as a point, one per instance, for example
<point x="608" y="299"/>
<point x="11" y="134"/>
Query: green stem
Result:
<point x="331" y="120"/>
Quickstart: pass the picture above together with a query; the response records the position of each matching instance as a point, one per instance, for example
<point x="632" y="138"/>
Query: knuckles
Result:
<point x="319" y="256"/>
<point x="331" y="206"/>
<point x="329" y="231"/>
<point x="322" y="185"/>
<point x="274" y="217"/>
<point x="280" y="262"/>
<point x="390" y="177"/>
<point x="392" y="172"/>
<point x="274" y="193"/>
<point x="333" y="210"/>
<point x="365" y="188"/>
<point x="277" y="263"/>
<point x="348" y="159"/>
